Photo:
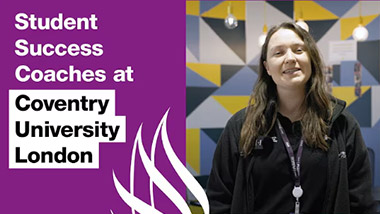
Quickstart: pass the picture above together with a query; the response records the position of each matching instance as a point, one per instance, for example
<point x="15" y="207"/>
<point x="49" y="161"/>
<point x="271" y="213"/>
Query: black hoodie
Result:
<point x="349" y="187"/>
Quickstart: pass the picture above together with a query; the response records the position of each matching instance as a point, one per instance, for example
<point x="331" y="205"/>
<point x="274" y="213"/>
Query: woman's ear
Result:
<point x="266" y="67"/>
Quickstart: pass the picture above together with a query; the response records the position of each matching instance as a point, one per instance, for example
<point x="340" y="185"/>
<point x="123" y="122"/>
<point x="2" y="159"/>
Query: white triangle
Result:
<point x="209" y="114"/>
<point x="212" y="48"/>
<point x="375" y="104"/>
<point x="190" y="57"/>
<point x="255" y="22"/>
<point x="333" y="34"/>
<point x="368" y="8"/>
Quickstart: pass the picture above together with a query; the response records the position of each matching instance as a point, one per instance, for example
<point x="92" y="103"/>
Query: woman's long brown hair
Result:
<point x="262" y="109"/>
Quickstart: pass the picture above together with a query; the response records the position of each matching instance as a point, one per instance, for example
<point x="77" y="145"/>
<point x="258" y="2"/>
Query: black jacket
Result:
<point x="230" y="186"/>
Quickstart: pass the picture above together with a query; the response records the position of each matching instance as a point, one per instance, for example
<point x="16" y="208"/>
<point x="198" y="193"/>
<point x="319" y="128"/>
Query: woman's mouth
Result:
<point x="291" y="71"/>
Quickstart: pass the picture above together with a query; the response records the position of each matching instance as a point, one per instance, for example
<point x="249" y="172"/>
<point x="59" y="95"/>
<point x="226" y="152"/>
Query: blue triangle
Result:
<point x="371" y="138"/>
<point x="207" y="5"/>
<point x="339" y="8"/>
<point x="377" y="125"/>
<point x="195" y="80"/>
<point x="361" y="109"/>
<point x="192" y="34"/>
<point x="347" y="78"/>
<point x="367" y="78"/>
<point x="374" y="29"/>
<point x="228" y="71"/>
<point x="347" y="73"/>
<point x="240" y="84"/>
<point x="213" y="133"/>
<point x="207" y="153"/>
<point x="255" y="60"/>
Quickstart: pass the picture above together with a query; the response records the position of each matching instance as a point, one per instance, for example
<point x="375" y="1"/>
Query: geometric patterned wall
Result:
<point x="222" y="66"/>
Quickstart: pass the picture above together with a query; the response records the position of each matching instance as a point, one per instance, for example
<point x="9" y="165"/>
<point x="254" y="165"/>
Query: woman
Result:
<point x="294" y="149"/>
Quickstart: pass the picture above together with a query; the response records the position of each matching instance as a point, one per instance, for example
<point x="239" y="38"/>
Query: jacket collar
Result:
<point x="338" y="107"/>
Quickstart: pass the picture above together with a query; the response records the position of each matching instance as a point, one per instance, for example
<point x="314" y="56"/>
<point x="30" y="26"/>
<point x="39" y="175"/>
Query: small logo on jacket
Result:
<point x="342" y="155"/>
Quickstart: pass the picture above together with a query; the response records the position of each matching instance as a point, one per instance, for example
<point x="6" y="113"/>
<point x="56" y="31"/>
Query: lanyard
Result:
<point x="296" y="166"/>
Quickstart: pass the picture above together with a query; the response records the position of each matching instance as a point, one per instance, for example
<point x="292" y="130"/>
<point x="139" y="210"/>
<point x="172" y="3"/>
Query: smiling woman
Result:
<point x="289" y="140"/>
<point x="288" y="62"/>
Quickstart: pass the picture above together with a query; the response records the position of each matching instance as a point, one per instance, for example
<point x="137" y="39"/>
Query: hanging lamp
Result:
<point x="300" y="22"/>
<point x="263" y="35"/>
<point x="230" y="21"/>
<point x="360" y="33"/>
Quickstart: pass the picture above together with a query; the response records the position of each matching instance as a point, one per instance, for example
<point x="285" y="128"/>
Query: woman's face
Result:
<point x="288" y="62"/>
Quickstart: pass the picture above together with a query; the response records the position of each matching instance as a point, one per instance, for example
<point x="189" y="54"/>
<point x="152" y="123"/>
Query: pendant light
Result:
<point x="360" y="33"/>
<point x="230" y="21"/>
<point x="300" y="22"/>
<point x="263" y="35"/>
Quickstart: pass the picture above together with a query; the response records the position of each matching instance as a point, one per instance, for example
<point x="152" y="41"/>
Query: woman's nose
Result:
<point x="289" y="57"/>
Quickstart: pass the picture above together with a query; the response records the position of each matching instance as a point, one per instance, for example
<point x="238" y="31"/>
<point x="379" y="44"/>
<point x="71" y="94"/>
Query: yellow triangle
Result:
<point x="211" y="72"/>
<point x="192" y="8"/>
<point x="347" y="25"/>
<point x="193" y="149"/>
<point x="309" y="10"/>
<point x="232" y="103"/>
<point x="220" y="10"/>
<point x="195" y="209"/>
<point x="347" y="93"/>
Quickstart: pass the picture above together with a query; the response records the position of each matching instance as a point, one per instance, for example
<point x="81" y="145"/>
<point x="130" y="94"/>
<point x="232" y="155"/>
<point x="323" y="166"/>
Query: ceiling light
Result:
<point x="230" y="21"/>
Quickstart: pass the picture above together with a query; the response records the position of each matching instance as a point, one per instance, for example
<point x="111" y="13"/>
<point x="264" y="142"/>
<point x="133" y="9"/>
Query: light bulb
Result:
<point x="230" y="22"/>
<point x="302" y="24"/>
<point x="262" y="38"/>
<point x="360" y="33"/>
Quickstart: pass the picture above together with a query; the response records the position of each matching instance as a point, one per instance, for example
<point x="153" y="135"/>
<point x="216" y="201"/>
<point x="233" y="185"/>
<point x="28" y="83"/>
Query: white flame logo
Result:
<point x="157" y="178"/>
